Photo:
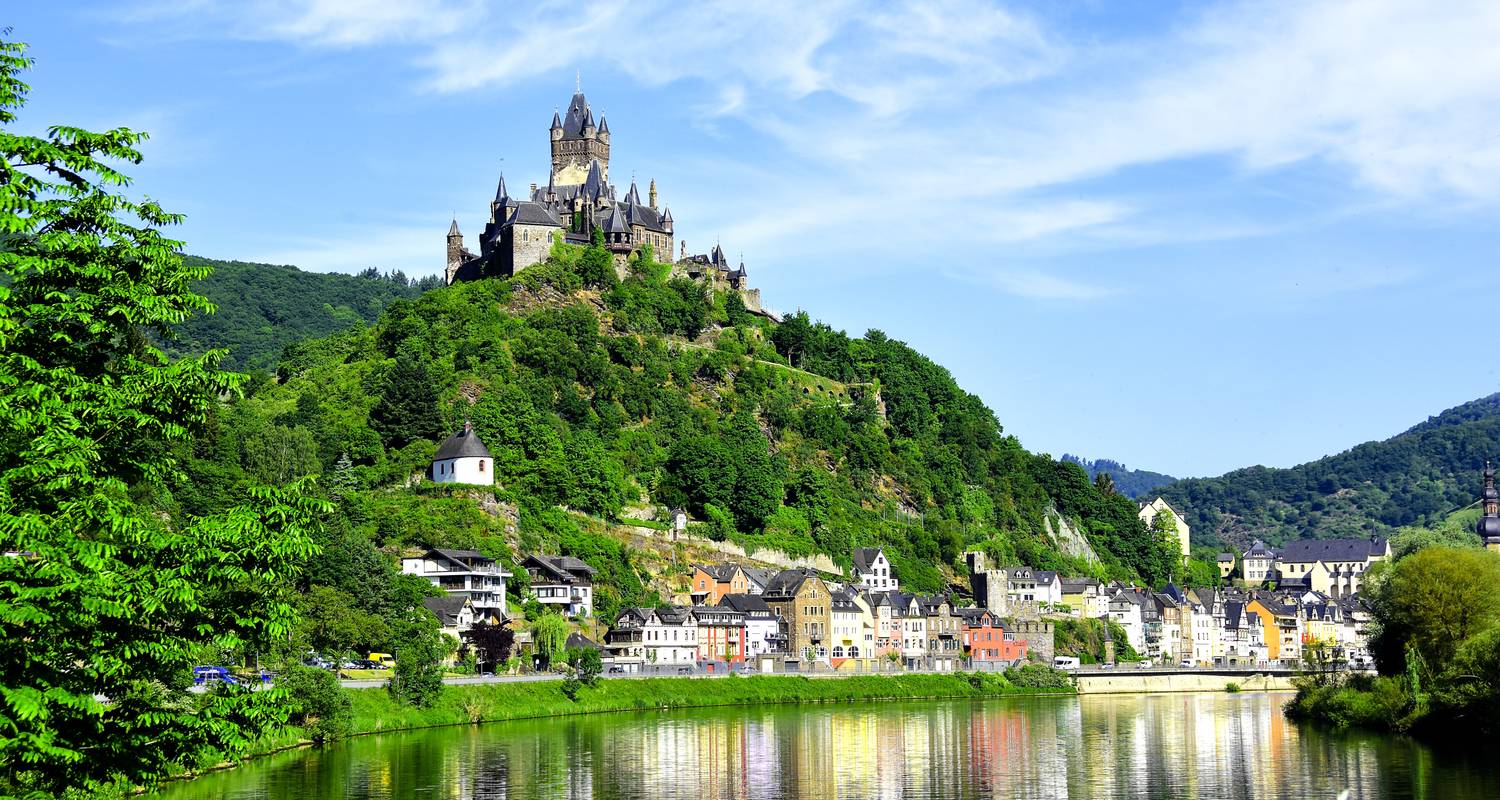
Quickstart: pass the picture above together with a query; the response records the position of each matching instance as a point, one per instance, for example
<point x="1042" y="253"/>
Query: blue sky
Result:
<point x="1190" y="237"/>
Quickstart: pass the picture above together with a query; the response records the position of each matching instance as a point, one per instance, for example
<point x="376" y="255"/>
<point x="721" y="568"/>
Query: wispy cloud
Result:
<point x="974" y="109"/>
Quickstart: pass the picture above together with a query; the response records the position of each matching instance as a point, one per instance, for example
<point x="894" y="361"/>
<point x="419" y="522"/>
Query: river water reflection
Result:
<point x="1113" y="746"/>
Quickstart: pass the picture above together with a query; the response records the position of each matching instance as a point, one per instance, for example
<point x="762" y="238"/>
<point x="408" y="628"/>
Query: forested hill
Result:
<point x="597" y="395"/>
<point x="1415" y="478"/>
<point x="265" y="307"/>
<point x="1127" y="481"/>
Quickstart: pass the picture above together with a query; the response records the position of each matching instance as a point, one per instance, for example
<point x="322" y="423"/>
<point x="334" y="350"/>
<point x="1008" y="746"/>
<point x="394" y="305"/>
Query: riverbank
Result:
<point x="375" y="711"/>
<point x="1464" y="713"/>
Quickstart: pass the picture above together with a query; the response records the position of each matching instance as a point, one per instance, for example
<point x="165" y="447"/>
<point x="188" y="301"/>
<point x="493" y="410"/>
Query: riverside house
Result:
<point x="711" y="582"/>
<point x="563" y="582"/>
<point x="801" y="598"/>
<point x="721" y="634"/>
<point x="666" y="635"/>
<point x="764" y="631"/>
<point x="984" y="639"/>
<point x="468" y="573"/>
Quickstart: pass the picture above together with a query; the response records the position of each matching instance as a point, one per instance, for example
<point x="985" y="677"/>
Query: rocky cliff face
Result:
<point x="1066" y="537"/>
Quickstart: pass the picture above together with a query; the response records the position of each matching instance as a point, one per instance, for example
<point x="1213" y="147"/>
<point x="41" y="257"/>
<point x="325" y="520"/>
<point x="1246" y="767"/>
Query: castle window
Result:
<point x="481" y="465"/>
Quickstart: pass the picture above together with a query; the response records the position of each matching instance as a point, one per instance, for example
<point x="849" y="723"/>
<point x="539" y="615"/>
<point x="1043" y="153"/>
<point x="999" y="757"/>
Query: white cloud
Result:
<point x="965" y="109"/>
<point x="352" y="249"/>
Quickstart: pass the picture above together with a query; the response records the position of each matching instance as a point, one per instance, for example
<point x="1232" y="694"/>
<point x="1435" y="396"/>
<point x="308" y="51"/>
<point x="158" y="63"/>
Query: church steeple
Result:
<point x="1489" y="524"/>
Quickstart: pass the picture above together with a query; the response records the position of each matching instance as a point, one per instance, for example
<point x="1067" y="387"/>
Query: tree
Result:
<point x="420" y="650"/>
<point x="597" y="267"/>
<point x="549" y="633"/>
<point x="491" y="643"/>
<point x="316" y="702"/>
<point x="408" y="406"/>
<point x="1434" y="600"/>
<point x="105" y="610"/>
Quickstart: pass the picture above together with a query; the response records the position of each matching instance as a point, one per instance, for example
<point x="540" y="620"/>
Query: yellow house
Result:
<point x="1148" y="514"/>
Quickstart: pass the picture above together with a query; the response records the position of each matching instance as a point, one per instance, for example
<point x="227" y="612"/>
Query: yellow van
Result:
<point x="385" y="660"/>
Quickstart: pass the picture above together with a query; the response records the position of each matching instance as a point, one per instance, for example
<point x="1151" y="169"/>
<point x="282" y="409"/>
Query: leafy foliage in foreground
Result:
<point x="107" y="597"/>
<point x="1415" y="478"/>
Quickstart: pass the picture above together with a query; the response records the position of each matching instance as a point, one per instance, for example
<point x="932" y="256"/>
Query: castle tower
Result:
<point x="502" y="198"/>
<point x="653" y="194"/>
<point x="455" y="252"/>
<point x="1489" y="524"/>
<point x="576" y="142"/>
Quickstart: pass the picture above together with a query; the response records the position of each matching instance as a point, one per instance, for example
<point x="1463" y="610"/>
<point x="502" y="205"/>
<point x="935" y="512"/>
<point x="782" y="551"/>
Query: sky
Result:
<point x="1190" y="237"/>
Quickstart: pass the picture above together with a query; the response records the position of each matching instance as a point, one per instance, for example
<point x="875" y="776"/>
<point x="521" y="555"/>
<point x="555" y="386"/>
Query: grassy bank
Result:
<point x="376" y="711"/>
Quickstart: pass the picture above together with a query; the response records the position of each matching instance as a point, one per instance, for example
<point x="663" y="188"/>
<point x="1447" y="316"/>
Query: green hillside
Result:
<point x="265" y="307"/>
<point x="1414" y="478"/>
<point x="596" y="395"/>
<point x="1127" y="481"/>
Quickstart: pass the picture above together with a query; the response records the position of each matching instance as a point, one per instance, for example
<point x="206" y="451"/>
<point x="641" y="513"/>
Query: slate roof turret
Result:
<point x="616" y="222"/>
<point x="464" y="444"/>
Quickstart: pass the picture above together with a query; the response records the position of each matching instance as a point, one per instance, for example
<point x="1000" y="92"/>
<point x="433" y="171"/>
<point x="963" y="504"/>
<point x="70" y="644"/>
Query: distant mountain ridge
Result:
<point x="1130" y="482"/>
<point x="265" y="307"/>
<point x="1417" y="477"/>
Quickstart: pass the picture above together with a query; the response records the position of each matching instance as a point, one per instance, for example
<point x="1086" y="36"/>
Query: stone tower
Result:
<point x="455" y="251"/>
<point x="576" y="141"/>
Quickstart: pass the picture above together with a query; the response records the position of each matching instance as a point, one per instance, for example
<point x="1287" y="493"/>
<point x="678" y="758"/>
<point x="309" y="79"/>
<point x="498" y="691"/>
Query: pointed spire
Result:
<point x="616" y="222"/>
<point x="667" y="215"/>
<point x="603" y="124"/>
<point x="633" y="197"/>
<point x="500" y="194"/>
<point x="556" y="120"/>
<point x="453" y="229"/>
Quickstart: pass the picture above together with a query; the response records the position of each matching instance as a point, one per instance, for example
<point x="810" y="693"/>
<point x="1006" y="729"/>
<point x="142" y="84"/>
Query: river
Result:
<point x="1105" y="746"/>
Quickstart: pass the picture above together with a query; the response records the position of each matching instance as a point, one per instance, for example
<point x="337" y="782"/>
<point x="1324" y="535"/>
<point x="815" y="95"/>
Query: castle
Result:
<point x="578" y="200"/>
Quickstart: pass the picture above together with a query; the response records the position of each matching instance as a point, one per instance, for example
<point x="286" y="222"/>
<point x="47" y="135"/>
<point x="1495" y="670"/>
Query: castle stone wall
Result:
<point x="1038" y="636"/>
<point x="529" y="245"/>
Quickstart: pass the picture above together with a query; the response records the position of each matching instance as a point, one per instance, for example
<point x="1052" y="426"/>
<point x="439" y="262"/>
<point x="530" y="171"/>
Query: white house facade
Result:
<point x="463" y="459"/>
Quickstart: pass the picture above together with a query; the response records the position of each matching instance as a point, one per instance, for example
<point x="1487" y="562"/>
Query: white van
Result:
<point x="1065" y="662"/>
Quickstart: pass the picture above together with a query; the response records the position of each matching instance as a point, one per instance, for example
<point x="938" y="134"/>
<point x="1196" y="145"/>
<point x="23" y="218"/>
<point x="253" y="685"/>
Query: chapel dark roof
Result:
<point x="464" y="444"/>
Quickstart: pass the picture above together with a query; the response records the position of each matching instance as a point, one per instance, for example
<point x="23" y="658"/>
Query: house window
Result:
<point x="481" y="465"/>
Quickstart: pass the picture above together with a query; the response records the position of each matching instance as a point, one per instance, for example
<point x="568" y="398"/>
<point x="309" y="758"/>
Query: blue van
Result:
<point x="206" y="675"/>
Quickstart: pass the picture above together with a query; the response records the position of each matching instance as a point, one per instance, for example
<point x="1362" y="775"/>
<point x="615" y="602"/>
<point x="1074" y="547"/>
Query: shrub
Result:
<point x="1232" y="687"/>
<point x="1038" y="676"/>
<point x="316" y="702"/>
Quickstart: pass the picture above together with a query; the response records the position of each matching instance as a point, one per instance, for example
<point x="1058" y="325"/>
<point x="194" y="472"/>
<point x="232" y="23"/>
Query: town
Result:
<point x="1272" y="607"/>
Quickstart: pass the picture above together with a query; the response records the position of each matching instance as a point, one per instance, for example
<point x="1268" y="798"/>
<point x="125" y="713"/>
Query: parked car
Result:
<point x="616" y="669"/>
<point x="366" y="663"/>
<point x="317" y="662"/>
<point x="684" y="670"/>
<point x="209" y="674"/>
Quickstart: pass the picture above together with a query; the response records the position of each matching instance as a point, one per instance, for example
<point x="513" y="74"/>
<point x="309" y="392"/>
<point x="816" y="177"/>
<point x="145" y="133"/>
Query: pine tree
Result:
<point x="408" y="405"/>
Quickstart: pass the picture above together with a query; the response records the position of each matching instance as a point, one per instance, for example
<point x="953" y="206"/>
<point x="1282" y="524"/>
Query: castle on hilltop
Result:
<point x="577" y="201"/>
